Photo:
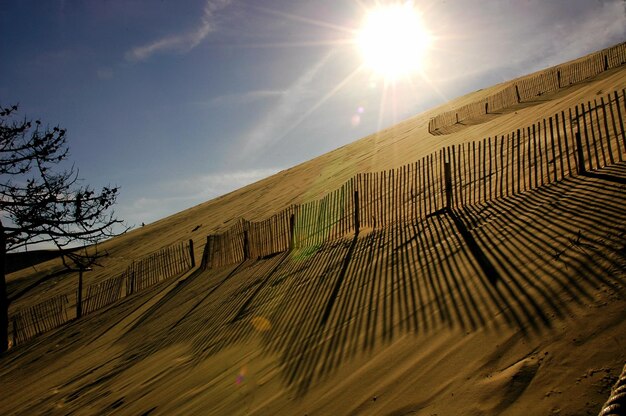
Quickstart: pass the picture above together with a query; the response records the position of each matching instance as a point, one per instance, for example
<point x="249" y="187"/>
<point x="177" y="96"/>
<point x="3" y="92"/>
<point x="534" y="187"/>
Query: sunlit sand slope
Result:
<point x="505" y="308"/>
<point x="512" y="307"/>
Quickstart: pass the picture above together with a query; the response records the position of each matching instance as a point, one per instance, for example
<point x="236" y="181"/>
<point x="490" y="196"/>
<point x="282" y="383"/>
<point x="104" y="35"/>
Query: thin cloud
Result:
<point x="212" y="185"/>
<point x="104" y="73"/>
<point x="484" y="49"/>
<point x="603" y="26"/>
<point x="567" y="35"/>
<point x="245" y="98"/>
<point x="182" y="42"/>
<point x="187" y="192"/>
<point x="279" y="121"/>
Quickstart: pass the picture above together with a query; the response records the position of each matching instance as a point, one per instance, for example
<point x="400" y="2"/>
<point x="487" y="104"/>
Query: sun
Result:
<point x="394" y="41"/>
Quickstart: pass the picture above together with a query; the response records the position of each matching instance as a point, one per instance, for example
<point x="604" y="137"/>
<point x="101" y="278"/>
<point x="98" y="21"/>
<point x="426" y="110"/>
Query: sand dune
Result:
<point x="513" y="306"/>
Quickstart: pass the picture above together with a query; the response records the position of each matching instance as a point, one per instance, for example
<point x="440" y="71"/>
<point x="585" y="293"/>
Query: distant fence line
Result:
<point x="141" y="274"/>
<point x="529" y="88"/>
<point x="588" y="136"/>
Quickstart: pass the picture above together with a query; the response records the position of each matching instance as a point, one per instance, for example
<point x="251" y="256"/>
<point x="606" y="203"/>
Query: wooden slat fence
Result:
<point x="268" y="237"/>
<point x="328" y="218"/>
<point x="587" y="137"/>
<point x="225" y="248"/>
<point x="37" y="319"/>
<point x="102" y="294"/>
<point x="540" y="154"/>
<point x="527" y="89"/>
<point x="167" y="262"/>
<point x="163" y="264"/>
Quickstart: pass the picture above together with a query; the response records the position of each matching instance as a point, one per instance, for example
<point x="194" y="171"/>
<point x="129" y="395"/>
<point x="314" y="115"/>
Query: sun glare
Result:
<point x="394" y="41"/>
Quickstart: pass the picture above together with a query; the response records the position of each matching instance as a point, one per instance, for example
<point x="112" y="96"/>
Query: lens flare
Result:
<point x="241" y="377"/>
<point x="261" y="324"/>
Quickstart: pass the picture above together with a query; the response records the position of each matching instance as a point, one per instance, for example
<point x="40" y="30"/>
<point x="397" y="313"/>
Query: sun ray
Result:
<point x="313" y="43"/>
<point x="313" y="22"/>
<point x="322" y="100"/>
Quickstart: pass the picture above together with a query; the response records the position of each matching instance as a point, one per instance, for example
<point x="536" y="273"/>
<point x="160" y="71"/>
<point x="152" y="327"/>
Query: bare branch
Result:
<point x="41" y="203"/>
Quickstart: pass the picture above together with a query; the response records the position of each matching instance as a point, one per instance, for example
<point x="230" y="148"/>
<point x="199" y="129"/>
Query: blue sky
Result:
<point x="179" y="102"/>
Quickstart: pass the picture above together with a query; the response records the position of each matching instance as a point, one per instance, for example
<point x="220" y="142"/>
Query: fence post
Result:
<point x="192" y="255"/>
<point x="246" y="245"/>
<point x="519" y="99"/>
<point x="208" y="250"/>
<point x="579" y="152"/>
<point x="15" y="329"/>
<point x="292" y="223"/>
<point x="356" y="212"/>
<point x="448" y="183"/>
<point x="79" y="295"/>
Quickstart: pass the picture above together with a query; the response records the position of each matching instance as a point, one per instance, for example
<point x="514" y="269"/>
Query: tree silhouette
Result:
<point x="42" y="202"/>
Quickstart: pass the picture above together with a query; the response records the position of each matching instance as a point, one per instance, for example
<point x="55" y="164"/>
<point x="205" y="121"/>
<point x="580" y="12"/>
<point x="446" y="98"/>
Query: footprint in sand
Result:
<point x="504" y="387"/>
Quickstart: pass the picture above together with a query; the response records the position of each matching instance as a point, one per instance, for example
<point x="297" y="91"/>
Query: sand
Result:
<point x="406" y="320"/>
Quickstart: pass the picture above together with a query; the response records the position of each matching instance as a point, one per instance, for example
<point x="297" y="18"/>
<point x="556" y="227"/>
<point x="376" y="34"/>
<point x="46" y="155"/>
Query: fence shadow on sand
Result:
<point x="521" y="262"/>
